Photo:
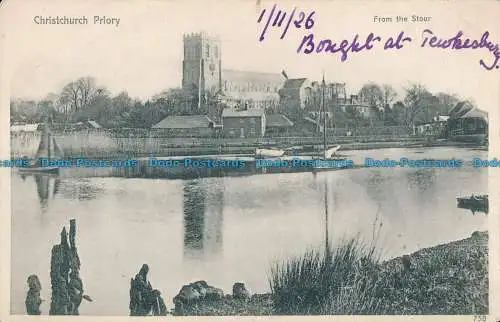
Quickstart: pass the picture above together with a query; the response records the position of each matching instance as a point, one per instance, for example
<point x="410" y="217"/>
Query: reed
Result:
<point x="337" y="280"/>
<point x="349" y="279"/>
<point x="104" y="145"/>
<point x="24" y="145"/>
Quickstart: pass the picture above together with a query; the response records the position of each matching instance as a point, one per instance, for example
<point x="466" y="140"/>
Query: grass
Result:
<point x="349" y="279"/>
<point x="341" y="278"/>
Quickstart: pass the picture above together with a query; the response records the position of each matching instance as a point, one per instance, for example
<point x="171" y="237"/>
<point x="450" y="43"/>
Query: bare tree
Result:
<point x="79" y="94"/>
<point x="372" y="94"/>
<point x="388" y="95"/>
<point x="447" y="102"/>
<point x="418" y="102"/>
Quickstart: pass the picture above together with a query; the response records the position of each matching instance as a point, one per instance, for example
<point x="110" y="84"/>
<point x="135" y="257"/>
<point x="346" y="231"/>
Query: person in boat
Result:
<point x="158" y="305"/>
<point x="33" y="299"/>
<point x="140" y="293"/>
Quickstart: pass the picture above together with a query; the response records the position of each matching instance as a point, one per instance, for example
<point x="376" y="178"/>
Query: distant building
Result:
<point x="434" y="128"/>
<point x="244" y="123"/>
<point x="251" y="89"/>
<point x="295" y="94"/>
<point x="356" y="102"/>
<point x="202" y="72"/>
<point x="278" y="124"/>
<point x="187" y="126"/>
<point x="467" y="123"/>
<point x="86" y="125"/>
<point x="25" y="130"/>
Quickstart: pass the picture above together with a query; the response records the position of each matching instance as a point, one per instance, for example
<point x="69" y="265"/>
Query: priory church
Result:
<point x="202" y="71"/>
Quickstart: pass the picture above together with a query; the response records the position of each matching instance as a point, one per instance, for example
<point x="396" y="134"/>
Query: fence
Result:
<point x="104" y="144"/>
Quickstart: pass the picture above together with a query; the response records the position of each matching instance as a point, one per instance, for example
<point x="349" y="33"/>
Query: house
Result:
<point x="467" y="123"/>
<point x="186" y="126"/>
<point x="278" y="123"/>
<point x="243" y="123"/>
<point x="434" y="128"/>
<point x="295" y="94"/>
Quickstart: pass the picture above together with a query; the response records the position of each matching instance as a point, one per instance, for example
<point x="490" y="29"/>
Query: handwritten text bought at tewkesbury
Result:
<point x="280" y="20"/>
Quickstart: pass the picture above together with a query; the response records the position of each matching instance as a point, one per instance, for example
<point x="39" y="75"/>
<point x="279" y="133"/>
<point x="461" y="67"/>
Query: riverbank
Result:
<point x="103" y="146"/>
<point x="446" y="279"/>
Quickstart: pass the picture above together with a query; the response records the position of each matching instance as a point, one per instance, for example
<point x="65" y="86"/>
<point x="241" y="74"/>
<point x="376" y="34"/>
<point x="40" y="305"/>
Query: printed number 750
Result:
<point x="480" y="318"/>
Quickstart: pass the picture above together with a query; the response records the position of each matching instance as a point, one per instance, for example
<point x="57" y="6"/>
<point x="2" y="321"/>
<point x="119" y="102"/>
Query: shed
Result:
<point x="186" y="125"/>
<point x="18" y="128"/>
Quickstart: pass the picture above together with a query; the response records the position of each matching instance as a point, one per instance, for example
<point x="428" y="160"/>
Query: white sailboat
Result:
<point x="269" y="153"/>
<point x="331" y="152"/>
<point x="47" y="149"/>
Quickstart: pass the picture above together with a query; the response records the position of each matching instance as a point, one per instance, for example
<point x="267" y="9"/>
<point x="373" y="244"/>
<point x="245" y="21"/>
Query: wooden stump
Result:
<point x="67" y="287"/>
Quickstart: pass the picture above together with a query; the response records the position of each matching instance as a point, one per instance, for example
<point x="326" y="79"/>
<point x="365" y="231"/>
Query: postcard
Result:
<point x="250" y="159"/>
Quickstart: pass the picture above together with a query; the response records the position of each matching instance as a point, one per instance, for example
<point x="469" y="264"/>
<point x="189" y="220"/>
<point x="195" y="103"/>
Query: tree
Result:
<point x="388" y="95"/>
<point x="446" y="102"/>
<point x="372" y="94"/>
<point x="419" y="104"/>
<point x="79" y="94"/>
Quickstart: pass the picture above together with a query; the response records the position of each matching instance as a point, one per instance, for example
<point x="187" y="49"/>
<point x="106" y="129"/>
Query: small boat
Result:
<point x="269" y="153"/>
<point x="47" y="149"/>
<point x="330" y="152"/>
<point x="474" y="203"/>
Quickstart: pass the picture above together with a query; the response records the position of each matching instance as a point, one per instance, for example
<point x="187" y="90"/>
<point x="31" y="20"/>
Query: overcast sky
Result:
<point x="143" y="55"/>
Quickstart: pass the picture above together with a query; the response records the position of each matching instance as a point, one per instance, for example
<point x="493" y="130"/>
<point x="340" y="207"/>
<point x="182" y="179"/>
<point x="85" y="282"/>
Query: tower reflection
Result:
<point x="203" y="218"/>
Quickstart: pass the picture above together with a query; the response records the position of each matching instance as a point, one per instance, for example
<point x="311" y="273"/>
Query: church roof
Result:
<point x="252" y="112"/>
<point x="184" y="122"/>
<point x="294" y="83"/>
<point x="238" y="76"/>
<point x="256" y="96"/>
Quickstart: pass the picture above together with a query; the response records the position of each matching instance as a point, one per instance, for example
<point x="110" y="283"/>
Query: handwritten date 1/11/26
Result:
<point x="278" y="18"/>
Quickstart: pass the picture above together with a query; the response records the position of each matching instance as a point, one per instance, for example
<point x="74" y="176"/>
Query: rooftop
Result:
<point x="256" y="96"/>
<point x="294" y="83"/>
<point x="24" y="127"/>
<point x="238" y="76"/>
<point x="252" y="112"/>
<point x="184" y="122"/>
<point x="278" y="120"/>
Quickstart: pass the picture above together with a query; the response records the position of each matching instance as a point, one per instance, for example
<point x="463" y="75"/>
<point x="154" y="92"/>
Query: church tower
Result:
<point x="201" y="67"/>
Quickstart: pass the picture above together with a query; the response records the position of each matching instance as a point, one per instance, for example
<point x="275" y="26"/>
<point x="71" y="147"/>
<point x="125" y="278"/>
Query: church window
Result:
<point x="216" y="52"/>
<point x="207" y="50"/>
<point x="225" y="85"/>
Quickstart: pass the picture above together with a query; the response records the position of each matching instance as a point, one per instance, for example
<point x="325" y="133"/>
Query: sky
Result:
<point x="143" y="55"/>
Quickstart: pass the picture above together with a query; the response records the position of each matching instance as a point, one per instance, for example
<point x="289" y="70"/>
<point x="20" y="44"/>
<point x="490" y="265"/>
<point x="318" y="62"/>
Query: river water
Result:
<point x="229" y="229"/>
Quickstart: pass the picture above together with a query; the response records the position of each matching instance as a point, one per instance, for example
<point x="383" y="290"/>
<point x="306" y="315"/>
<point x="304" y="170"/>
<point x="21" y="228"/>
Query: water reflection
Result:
<point x="81" y="189"/>
<point x="230" y="229"/>
<point x="203" y="205"/>
<point x="47" y="187"/>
